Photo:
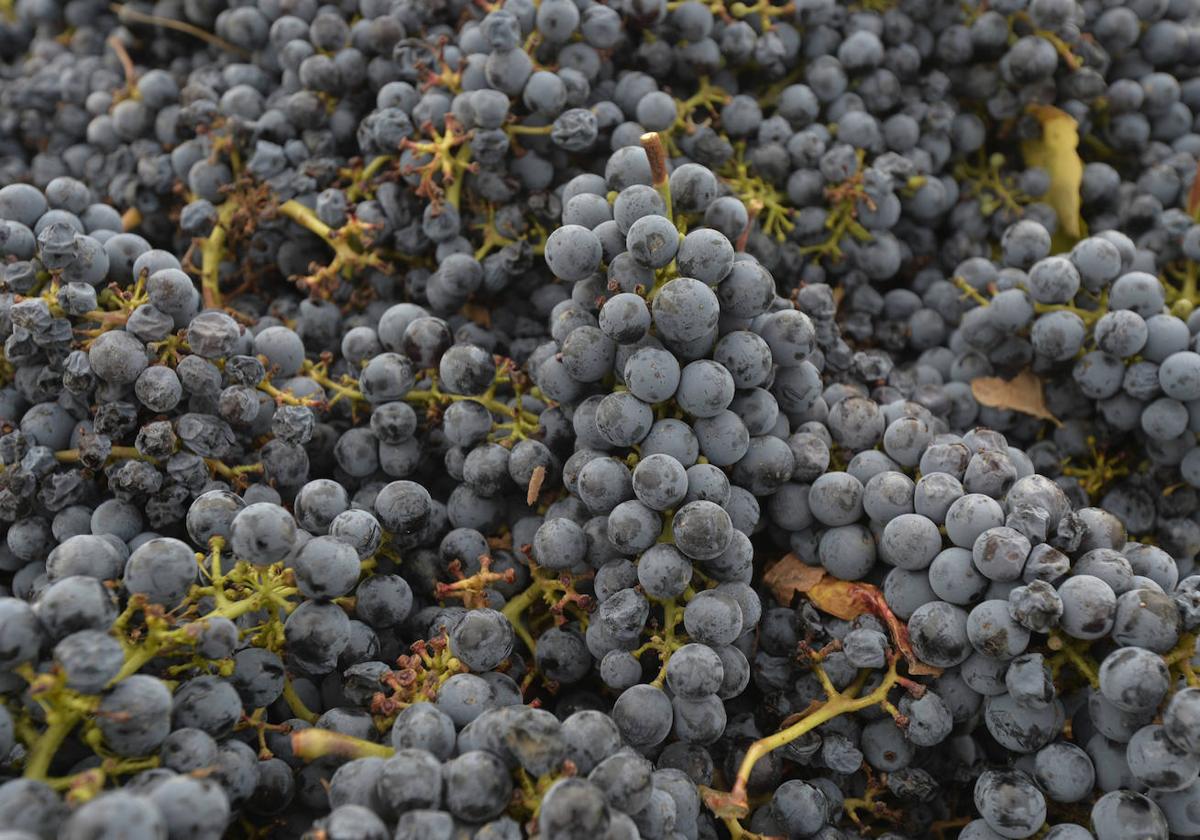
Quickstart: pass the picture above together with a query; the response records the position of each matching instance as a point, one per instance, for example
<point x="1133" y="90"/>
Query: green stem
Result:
<point x="211" y="254"/>
<point x="312" y="744"/>
<point x="299" y="709"/>
<point x="46" y="747"/>
<point x="516" y="606"/>
<point x="454" y="191"/>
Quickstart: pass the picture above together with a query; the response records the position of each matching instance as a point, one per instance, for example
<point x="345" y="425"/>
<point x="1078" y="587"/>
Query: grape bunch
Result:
<point x="666" y="419"/>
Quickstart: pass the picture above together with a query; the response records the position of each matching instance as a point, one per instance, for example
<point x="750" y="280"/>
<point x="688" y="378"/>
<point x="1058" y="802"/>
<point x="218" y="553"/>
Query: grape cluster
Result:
<point x="666" y="419"/>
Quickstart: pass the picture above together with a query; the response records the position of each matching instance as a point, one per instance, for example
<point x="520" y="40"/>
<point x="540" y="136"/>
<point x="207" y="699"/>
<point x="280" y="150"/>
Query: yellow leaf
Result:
<point x="1056" y="151"/>
<point x="1022" y="393"/>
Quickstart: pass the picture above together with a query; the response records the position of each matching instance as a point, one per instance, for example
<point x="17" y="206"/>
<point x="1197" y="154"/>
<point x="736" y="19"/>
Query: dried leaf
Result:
<point x="1193" y="203"/>
<point x="1023" y="393"/>
<point x="791" y="575"/>
<point x="844" y="599"/>
<point x="1057" y="151"/>
<point x="535" y="484"/>
<point x="840" y="598"/>
<point x="480" y="315"/>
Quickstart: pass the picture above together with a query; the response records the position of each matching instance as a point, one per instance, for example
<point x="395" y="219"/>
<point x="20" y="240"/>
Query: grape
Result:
<point x="704" y="254"/>
<point x="573" y="807"/>
<point x="1036" y="606"/>
<point x="652" y="374"/>
<point x="910" y="541"/>
<point x="659" y="481"/>
<point x="1136" y="292"/>
<point x="955" y="579"/>
<point x="121" y="814"/>
<point x="713" y="618"/>
<point x="21" y="633"/>
<point x="1089" y="607"/>
<point x="695" y="671"/>
<point x="1174" y="807"/>
<point x="652" y="240"/>
<point x="939" y="634"/>
<point x="746" y="356"/>
<point x="1146" y="619"/>
<point x="699" y="721"/>
<point x="1010" y="803"/>
<point x="208" y="704"/>
<point x="623" y="420"/>
<point x="136" y="715"/>
<point x="402" y="507"/>
<point x="885" y="747"/>
<point x="326" y="568"/>
<point x="847" y="552"/>
<point x="635" y="202"/>
<point x="1180" y="711"/>
<point x="802" y="808"/>
<point x="685" y="310"/>
<point x="1121" y="813"/>
<point x="994" y="633"/>
<point x="424" y="726"/>
<point x="633" y="527"/>
<point x="262" y="533"/>
<point x="1053" y="280"/>
<point x="186" y="749"/>
<point x="723" y="439"/>
<point x="188" y="805"/>
<point x="1064" y="772"/>
<point x="162" y="570"/>
<point x="464" y="697"/>
<point x="705" y="389"/>
<point x="1133" y="679"/>
<point x="836" y="499"/>
<point x="564" y="656"/>
<point x="1158" y="763"/>
<point x="970" y="516"/>
<point x="702" y="530"/>
<point x="573" y="252"/>
<point x="317" y="633"/>
<point x="89" y="659"/>
<point x="644" y="715"/>
<point x="625" y="318"/>
<point x="482" y="639"/>
<point x="68" y="605"/>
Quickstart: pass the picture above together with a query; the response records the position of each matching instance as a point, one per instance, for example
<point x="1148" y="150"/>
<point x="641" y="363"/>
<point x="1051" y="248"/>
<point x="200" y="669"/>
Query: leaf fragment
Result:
<point x="1057" y="152"/>
<point x="844" y="599"/>
<point x="480" y="315"/>
<point x="1193" y="203"/>
<point x="1023" y="393"/>
<point x="791" y="575"/>
<point x="535" y="484"/>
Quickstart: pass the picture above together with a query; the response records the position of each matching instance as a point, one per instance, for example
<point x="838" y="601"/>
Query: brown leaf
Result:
<point x="535" y="484"/>
<point x="1022" y="393"/>
<point x="791" y="575"/>
<point x="1194" y="197"/>
<point x="481" y="315"/>
<point x="845" y="599"/>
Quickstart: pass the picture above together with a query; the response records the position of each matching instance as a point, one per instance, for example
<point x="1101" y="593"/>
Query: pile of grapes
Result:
<point x="599" y="419"/>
